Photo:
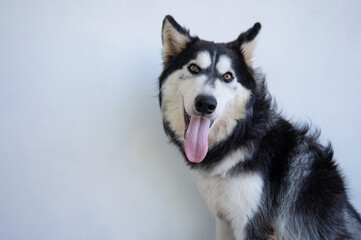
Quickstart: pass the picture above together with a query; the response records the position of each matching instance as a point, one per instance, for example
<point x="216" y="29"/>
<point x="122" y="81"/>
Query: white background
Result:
<point x="82" y="150"/>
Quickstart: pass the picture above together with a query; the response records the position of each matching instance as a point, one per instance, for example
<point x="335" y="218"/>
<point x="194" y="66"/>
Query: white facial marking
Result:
<point x="234" y="104"/>
<point x="237" y="199"/>
<point x="172" y="104"/>
<point x="224" y="64"/>
<point x="181" y="88"/>
<point x="190" y="89"/>
<point x="203" y="60"/>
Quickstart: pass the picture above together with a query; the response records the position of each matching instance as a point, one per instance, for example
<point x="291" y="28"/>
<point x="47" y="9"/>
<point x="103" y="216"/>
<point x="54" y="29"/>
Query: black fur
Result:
<point x="321" y="202"/>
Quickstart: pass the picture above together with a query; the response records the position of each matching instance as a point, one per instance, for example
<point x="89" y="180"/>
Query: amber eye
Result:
<point x="227" y="77"/>
<point x="194" y="68"/>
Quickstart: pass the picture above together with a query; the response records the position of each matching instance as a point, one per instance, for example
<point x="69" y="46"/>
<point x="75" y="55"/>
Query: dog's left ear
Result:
<point x="246" y="43"/>
<point x="174" y="37"/>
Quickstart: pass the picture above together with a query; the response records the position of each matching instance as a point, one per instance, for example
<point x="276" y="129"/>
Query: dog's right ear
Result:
<point x="174" y="38"/>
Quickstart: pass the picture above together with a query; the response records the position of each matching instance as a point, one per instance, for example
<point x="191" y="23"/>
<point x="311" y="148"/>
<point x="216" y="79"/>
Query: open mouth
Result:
<point x="196" y="137"/>
<point x="187" y="118"/>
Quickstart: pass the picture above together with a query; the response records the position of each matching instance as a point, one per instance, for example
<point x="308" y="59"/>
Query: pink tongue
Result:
<point x="196" y="142"/>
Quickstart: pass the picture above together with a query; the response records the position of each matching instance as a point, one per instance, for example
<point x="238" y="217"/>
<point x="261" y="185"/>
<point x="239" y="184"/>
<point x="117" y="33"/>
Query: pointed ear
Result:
<point x="174" y="38"/>
<point x="246" y="43"/>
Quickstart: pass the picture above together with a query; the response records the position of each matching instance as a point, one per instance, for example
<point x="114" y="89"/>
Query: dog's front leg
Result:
<point x="224" y="230"/>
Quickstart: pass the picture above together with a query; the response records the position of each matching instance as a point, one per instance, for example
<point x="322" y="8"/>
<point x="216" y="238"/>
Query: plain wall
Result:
<point x="82" y="150"/>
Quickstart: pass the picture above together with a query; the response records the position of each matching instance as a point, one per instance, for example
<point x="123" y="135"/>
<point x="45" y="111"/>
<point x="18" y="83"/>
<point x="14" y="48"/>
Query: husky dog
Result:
<point x="262" y="176"/>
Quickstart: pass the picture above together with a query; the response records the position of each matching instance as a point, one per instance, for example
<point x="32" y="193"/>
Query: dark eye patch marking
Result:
<point x="208" y="60"/>
<point x="220" y="69"/>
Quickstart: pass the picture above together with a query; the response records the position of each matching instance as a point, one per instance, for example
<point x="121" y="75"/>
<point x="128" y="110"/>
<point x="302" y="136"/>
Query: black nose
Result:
<point x="205" y="104"/>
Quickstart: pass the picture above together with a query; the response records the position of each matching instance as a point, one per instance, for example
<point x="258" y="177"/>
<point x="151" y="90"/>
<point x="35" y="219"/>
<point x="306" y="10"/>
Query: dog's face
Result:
<point x="205" y="87"/>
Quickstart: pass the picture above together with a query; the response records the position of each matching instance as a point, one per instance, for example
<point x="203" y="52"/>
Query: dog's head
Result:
<point x="205" y="88"/>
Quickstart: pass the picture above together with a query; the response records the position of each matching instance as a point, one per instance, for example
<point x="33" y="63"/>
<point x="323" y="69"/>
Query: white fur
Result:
<point x="190" y="88"/>
<point x="224" y="64"/>
<point x="234" y="108"/>
<point x="233" y="200"/>
<point x="172" y="105"/>
<point x="229" y="162"/>
<point x="203" y="60"/>
<point x="181" y="88"/>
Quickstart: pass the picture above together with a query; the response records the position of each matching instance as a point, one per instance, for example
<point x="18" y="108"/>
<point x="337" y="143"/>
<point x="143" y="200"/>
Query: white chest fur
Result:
<point x="233" y="199"/>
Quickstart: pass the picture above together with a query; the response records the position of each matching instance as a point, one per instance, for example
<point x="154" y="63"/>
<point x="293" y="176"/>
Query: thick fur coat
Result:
<point x="261" y="175"/>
